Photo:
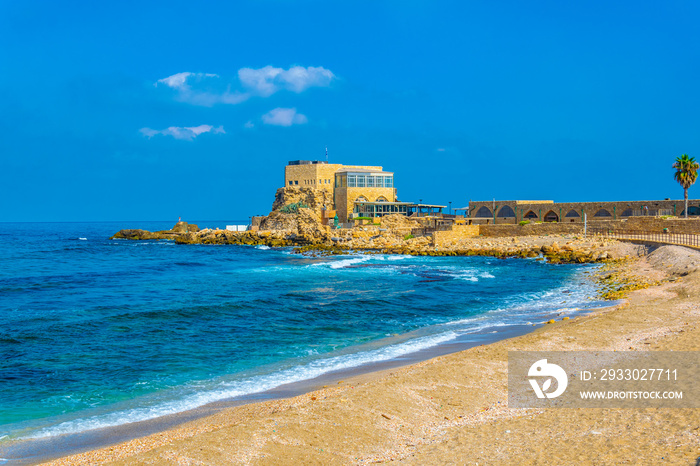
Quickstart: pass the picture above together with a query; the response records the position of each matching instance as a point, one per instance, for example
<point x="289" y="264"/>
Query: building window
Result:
<point x="296" y="181"/>
<point x="483" y="212"/>
<point x="291" y="183"/>
<point x="506" y="212"/>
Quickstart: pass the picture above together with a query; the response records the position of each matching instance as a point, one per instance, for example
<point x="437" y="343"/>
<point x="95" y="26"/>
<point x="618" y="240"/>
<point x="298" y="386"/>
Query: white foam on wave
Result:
<point x="257" y="384"/>
<point x="262" y="247"/>
<point x="394" y="257"/>
<point x="469" y="278"/>
<point x="341" y="264"/>
<point x="82" y="239"/>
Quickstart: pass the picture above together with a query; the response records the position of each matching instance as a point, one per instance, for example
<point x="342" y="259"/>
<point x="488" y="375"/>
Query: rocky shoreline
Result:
<point x="555" y="249"/>
<point x="303" y="227"/>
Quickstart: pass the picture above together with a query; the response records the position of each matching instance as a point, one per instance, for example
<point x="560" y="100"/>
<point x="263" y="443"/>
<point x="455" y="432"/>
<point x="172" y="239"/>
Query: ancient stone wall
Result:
<point x="532" y="229"/>
<point x="657" y="225"/>
<point x="512" y="212"/>
<point x="445" y="238"/>
<point x="634" y="224"/>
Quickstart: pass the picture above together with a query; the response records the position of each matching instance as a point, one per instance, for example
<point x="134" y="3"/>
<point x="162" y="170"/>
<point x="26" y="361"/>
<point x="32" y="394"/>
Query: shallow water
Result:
<point x="100" y="333"/>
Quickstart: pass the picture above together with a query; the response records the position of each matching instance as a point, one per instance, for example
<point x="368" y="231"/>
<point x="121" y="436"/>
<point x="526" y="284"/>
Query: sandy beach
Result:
<point x="453" y="409"/>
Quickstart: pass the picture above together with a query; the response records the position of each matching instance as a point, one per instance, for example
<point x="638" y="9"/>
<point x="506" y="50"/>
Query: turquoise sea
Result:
<point x="97" y="333"/>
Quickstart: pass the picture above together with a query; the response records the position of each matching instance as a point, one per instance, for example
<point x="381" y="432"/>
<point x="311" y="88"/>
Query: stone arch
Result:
<point x="530" y="215"/>
<point x="603" y="213"/>
<point x="506" y="212"/>
<point x="382" y="199"/>
<point x="627" y="212"/>
<point x="361" y="199"/>
<point x="551" y="216"/>
<point x="692" y="210"/>
<point x="483" y="212"/>
<point x="572" y="214"/>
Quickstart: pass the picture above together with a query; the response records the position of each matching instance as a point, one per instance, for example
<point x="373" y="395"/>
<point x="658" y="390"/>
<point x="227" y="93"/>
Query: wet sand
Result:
<point x="453" y="409"/>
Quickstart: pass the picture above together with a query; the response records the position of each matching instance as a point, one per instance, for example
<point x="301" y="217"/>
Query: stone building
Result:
<point x="358" y="190"/>
<point x="499" y="212"/>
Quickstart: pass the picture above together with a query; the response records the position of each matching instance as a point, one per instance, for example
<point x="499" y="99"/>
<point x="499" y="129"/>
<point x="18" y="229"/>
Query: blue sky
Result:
<point x="154" y="110"/>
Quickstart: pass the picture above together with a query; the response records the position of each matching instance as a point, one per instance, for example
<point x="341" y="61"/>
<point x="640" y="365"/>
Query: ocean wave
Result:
<point x="262" y="247"/>
<point x="341" y="264"/>
<point x="252" y="385"/>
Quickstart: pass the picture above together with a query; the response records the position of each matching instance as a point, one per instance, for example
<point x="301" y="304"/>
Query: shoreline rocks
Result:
<point x="138" y="234"/>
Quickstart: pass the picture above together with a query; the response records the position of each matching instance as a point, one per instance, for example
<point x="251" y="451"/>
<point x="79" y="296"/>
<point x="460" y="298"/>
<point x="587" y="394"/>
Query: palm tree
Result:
<point x="686" y="174"/>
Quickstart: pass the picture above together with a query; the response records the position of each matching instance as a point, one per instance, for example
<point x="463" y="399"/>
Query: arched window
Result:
<point x="506" y="212"/>
<point x="531" y="215"/>
<point x="361" y="199"/>
<point x="382" y="199"/>
<point x="572" y="214"/>
<point x="603" y="213"/>
<point x="551" y="216"/>
<point x="483" y="212"/>
<point x="627" y="212"/>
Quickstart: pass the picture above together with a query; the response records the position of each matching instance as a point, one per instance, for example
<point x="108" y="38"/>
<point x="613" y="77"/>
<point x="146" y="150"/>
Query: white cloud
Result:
<point x="249" y="124"/>
<point x="284" y="117"/>
<point x="187" y="133"/>
<point x="203" y="89"/>
<point x="268" y="80"/>
<point x="179" y="80"/>
<point x="196" y="89"/>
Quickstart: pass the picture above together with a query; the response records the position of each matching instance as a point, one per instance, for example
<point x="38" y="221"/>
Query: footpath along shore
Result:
<point x="453" y="409"/>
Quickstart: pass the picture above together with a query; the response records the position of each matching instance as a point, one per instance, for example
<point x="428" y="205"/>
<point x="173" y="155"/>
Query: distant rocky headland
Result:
<point x="296" y="220"/>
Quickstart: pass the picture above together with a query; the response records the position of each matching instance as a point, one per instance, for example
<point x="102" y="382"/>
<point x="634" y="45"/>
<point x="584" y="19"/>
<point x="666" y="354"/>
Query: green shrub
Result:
<point x="407" y="237"/>
<point x="524" y="222"/>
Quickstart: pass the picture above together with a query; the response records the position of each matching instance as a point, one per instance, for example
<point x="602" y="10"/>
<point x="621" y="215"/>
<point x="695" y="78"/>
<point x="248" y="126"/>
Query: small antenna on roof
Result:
<point x="326" y="154"/>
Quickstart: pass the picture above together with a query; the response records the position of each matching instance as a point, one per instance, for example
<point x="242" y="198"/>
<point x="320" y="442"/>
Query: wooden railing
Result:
<point x="681" y="239"/>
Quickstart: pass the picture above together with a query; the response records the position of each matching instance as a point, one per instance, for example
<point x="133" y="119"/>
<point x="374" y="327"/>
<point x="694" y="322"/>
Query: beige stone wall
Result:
<point x="345" y="198"/>
<point x="318" y="175"/>
<point x="633" y="224"/>
<point x="560" y="209"/>
<point x="445" y="238"/>
<point x="531" y="229"/>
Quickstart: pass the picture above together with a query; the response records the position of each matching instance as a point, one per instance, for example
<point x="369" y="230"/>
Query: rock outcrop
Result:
<point x="315" y="198"/>
<point x="174" y="232"/>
